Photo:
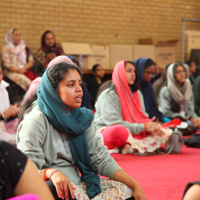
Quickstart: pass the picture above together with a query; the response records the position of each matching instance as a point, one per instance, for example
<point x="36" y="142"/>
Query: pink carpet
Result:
<point x="163" y="177"/>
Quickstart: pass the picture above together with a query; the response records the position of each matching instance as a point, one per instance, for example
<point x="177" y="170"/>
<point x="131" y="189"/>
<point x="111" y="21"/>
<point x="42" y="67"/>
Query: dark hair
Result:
<point x="74" y="60"/>
<point x="26" y="105"/>
<point x="107" y="84"/>
<point x="149" y="63"/>
<point x="55" y="74"/>
<point x="175" y="66"/>
<point x="136" y="85"/>
<point x="44" y="36"/>
<point x="189" y="62"/>
<point x="46" y="32"/>
<point x="95" y="67"/>
<point x="15" y="29"/>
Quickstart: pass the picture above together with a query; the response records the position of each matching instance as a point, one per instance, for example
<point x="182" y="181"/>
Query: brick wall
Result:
<point x="98" y="22"/>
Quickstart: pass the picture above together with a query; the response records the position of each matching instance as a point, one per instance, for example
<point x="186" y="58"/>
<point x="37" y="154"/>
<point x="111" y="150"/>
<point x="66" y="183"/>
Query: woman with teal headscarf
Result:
<point x="60" y="138"/>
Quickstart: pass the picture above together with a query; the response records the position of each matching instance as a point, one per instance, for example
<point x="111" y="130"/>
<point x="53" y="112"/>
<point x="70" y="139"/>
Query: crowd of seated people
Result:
<point x="121" y="115"/>
<point x="22" y="68"/>
<point x="18" y="61"/>
<point x="130" y="110"/>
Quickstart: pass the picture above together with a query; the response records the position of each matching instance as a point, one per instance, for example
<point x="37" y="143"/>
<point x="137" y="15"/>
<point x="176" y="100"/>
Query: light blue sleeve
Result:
<point x="191" y="112"/>
<point x="30" y="138"/>
<point x="110" y="111"/>
<point x="101" y="160"/>
<point x="165" y="104"/>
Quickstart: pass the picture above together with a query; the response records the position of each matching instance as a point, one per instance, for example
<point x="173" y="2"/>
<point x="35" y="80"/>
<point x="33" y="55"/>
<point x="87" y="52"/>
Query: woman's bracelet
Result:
<point x="44" y="174"/>
<point x="53" y="173"/>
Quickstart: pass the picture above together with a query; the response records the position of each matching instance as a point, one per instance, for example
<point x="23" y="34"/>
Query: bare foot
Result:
<point x="115" y="150"/>
<point x="126" y="149"/>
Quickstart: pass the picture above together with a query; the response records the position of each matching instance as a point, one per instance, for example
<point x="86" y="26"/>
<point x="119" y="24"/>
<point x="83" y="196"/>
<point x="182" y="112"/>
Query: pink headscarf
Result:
<point x="60" y="59"/>
<point x="130" y="104"/>
<point x="35" y="83"/>
<point x="32" y="89"/>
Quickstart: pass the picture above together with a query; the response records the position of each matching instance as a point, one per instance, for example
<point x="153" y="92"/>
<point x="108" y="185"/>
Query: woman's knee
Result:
<point x="115" y="136"/>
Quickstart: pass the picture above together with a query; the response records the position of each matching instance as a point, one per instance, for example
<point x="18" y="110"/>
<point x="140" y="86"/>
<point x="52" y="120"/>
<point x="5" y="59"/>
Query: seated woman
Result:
<point x="192" y="71"/>
<point x="61" y="139"/>
<point x="160" y="83"/>
<point x="176" y="99"/>
<point x="95" y="82"/>
<point x="35" y="83"/>
<point x="19" y="175"/>
<point x="157" y="74"/>
<point x="86" y="95"/>
<point x="146" y="71"/>
<point x="121" y="117"/>
<point x="8" y="110"/>
<point x="17" y="59"/>
<point x="49" y="50"/>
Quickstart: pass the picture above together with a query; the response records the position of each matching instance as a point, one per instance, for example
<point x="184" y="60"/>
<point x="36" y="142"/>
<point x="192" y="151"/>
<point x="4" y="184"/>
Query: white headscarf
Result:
<point x="4" y="97"/>
<point x="179" y="95"/>
<point x="18" y="50"/>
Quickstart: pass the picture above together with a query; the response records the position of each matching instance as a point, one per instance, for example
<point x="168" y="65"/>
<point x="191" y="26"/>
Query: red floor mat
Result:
<point x="163" y="177"/>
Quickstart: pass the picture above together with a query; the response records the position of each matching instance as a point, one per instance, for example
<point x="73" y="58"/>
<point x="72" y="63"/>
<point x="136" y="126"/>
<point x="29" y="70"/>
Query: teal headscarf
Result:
<point x="73" y="124"/>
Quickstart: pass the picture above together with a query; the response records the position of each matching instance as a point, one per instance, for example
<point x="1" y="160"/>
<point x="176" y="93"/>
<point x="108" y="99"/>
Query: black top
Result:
<point x="12" y="164"/>
<point x="193" y="77"/>
<point x="12" y="102"/>
<point x="93" y="87"/>
<point x="86" y="97"/>
<point x="190" y="185"/>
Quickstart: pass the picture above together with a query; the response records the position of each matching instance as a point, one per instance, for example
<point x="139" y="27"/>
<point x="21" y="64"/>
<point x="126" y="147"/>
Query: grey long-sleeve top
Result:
<point x="165" y="105"/>
<point x="108" y="111"/>
<point x="48" y="148"/>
